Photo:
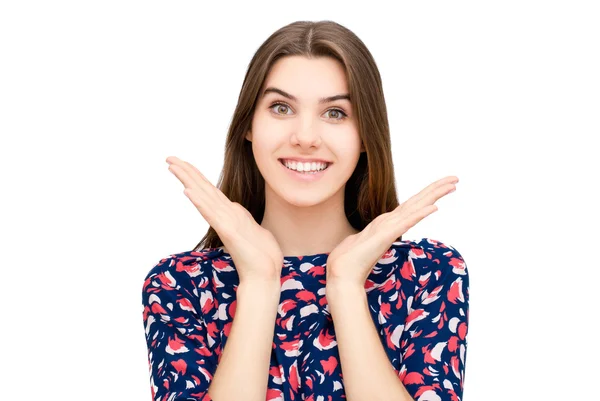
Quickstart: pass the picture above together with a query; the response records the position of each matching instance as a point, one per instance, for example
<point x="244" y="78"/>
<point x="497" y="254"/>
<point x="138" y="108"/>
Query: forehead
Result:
<point x="307" y="79"/>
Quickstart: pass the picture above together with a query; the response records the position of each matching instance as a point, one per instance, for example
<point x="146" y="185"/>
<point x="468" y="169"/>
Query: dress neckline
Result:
<point x="294" y="259"/>
<point x="291" y="258"/>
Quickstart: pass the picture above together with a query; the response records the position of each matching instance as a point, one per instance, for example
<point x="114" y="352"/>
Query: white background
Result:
<point x="95" y="95"/>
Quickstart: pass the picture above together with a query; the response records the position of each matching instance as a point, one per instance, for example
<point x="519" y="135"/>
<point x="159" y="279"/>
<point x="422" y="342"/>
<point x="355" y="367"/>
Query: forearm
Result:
<point x="243" y="371"/>
<point x="368" y="373"/>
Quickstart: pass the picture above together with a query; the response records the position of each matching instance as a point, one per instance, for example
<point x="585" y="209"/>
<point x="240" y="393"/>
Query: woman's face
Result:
<point x="303" y="128"/>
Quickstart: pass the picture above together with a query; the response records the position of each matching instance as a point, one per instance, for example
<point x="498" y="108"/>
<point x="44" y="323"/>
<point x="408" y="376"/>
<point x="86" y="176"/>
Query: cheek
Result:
<point x="346" y="143"/>
<point x="264" y="144"/>
<point x="268" y="136"/>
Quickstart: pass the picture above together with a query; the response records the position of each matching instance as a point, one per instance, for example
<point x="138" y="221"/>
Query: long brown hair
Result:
<point x="371" y="190"/>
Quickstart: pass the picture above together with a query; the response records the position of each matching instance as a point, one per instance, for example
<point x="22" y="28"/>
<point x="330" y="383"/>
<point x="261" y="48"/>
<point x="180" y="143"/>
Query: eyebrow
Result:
<point x="291" y="97"/>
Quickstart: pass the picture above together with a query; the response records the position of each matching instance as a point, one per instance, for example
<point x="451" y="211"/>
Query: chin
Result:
<point x="299" y="200"/>
<point x="303" y="197"/>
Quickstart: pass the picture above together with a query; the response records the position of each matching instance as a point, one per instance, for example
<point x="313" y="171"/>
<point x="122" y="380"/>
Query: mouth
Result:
<point x="305" y="175"/>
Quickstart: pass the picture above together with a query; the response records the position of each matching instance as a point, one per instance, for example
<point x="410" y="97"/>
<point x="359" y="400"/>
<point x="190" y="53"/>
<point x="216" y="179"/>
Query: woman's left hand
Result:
<point x="353" y="259"/>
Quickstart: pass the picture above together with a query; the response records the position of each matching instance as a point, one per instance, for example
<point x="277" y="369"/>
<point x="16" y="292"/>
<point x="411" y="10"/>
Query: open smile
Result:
<point x="305" y="175"/>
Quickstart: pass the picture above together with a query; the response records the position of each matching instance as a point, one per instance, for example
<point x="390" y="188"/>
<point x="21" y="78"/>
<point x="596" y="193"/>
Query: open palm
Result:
<point x="352" y="260"/>
<point x="254" y="250"/>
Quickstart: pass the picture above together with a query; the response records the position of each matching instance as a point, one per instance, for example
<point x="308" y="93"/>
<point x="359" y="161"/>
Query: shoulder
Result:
<point x="430" y="253"/>
<point x="432" y="263"/>
<point x="181" y="284"/>
<point x="186" y="268"/>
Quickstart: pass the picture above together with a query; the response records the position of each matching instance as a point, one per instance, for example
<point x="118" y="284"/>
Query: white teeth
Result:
<point x="305" y="167"/>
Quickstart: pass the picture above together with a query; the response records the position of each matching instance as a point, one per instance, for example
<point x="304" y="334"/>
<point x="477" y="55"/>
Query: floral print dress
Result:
<point x="418" y="295"/>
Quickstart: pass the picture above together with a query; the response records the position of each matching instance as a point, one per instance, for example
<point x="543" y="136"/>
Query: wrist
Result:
<point x="265" y="285"/>
<point x="339" y="287"/>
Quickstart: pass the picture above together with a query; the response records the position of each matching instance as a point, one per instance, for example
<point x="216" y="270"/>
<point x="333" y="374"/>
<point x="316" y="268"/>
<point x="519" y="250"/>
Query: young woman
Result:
<point x="305" y="249"/>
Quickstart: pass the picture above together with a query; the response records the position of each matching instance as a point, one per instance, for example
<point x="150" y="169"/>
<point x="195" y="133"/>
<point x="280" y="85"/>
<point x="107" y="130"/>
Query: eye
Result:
<point x="279" y="104"/>
<point x="339" y="114"/>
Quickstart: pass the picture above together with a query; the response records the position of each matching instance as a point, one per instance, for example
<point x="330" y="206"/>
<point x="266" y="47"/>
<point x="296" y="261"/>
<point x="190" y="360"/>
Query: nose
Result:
<point x="307" y="134"/>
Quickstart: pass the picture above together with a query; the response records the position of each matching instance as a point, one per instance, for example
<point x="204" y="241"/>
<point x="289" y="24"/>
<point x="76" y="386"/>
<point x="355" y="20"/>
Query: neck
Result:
<point x="306" y="230"/>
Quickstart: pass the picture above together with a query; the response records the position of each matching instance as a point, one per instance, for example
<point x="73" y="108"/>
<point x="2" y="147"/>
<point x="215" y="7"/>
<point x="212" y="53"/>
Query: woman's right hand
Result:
<point x="254" y="250"/>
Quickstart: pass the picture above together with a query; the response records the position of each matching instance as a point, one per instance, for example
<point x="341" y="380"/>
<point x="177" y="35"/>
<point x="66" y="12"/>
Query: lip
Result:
<point x="303" y="160"/>
<point x="304" y="176"/>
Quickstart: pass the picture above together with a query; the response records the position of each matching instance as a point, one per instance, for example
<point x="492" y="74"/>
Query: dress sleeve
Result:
<point x="434" y="339"/>
<point x="181" y="363"/>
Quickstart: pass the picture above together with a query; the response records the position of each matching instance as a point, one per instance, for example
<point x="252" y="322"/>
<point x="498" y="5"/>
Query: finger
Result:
<point x="192" y="172"/>
<point x="197" y="191"/>
<point x="218" y="192"/>
<point x="412" y="219"/>
<point x="449" y="182"/>
<point x="202" y="182"/>
<point x="194" y="176"/>
<point x="183" y="176"/>
<point x="428" y="199"/>
<point x="435" y="185"/>
<point x="435" y="194"/>
<point x="204" y="195"/>
<point x="193" y="169"/>
<point x="212" y="204"/>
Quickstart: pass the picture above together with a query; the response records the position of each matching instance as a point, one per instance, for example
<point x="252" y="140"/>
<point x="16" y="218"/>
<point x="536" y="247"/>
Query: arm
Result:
<point x="432" y="348"/>
<point x="180" y="357"/>
<point x="243" y="370"/>
<point x="181" y="354"/>
<point x="367" y="372"/>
